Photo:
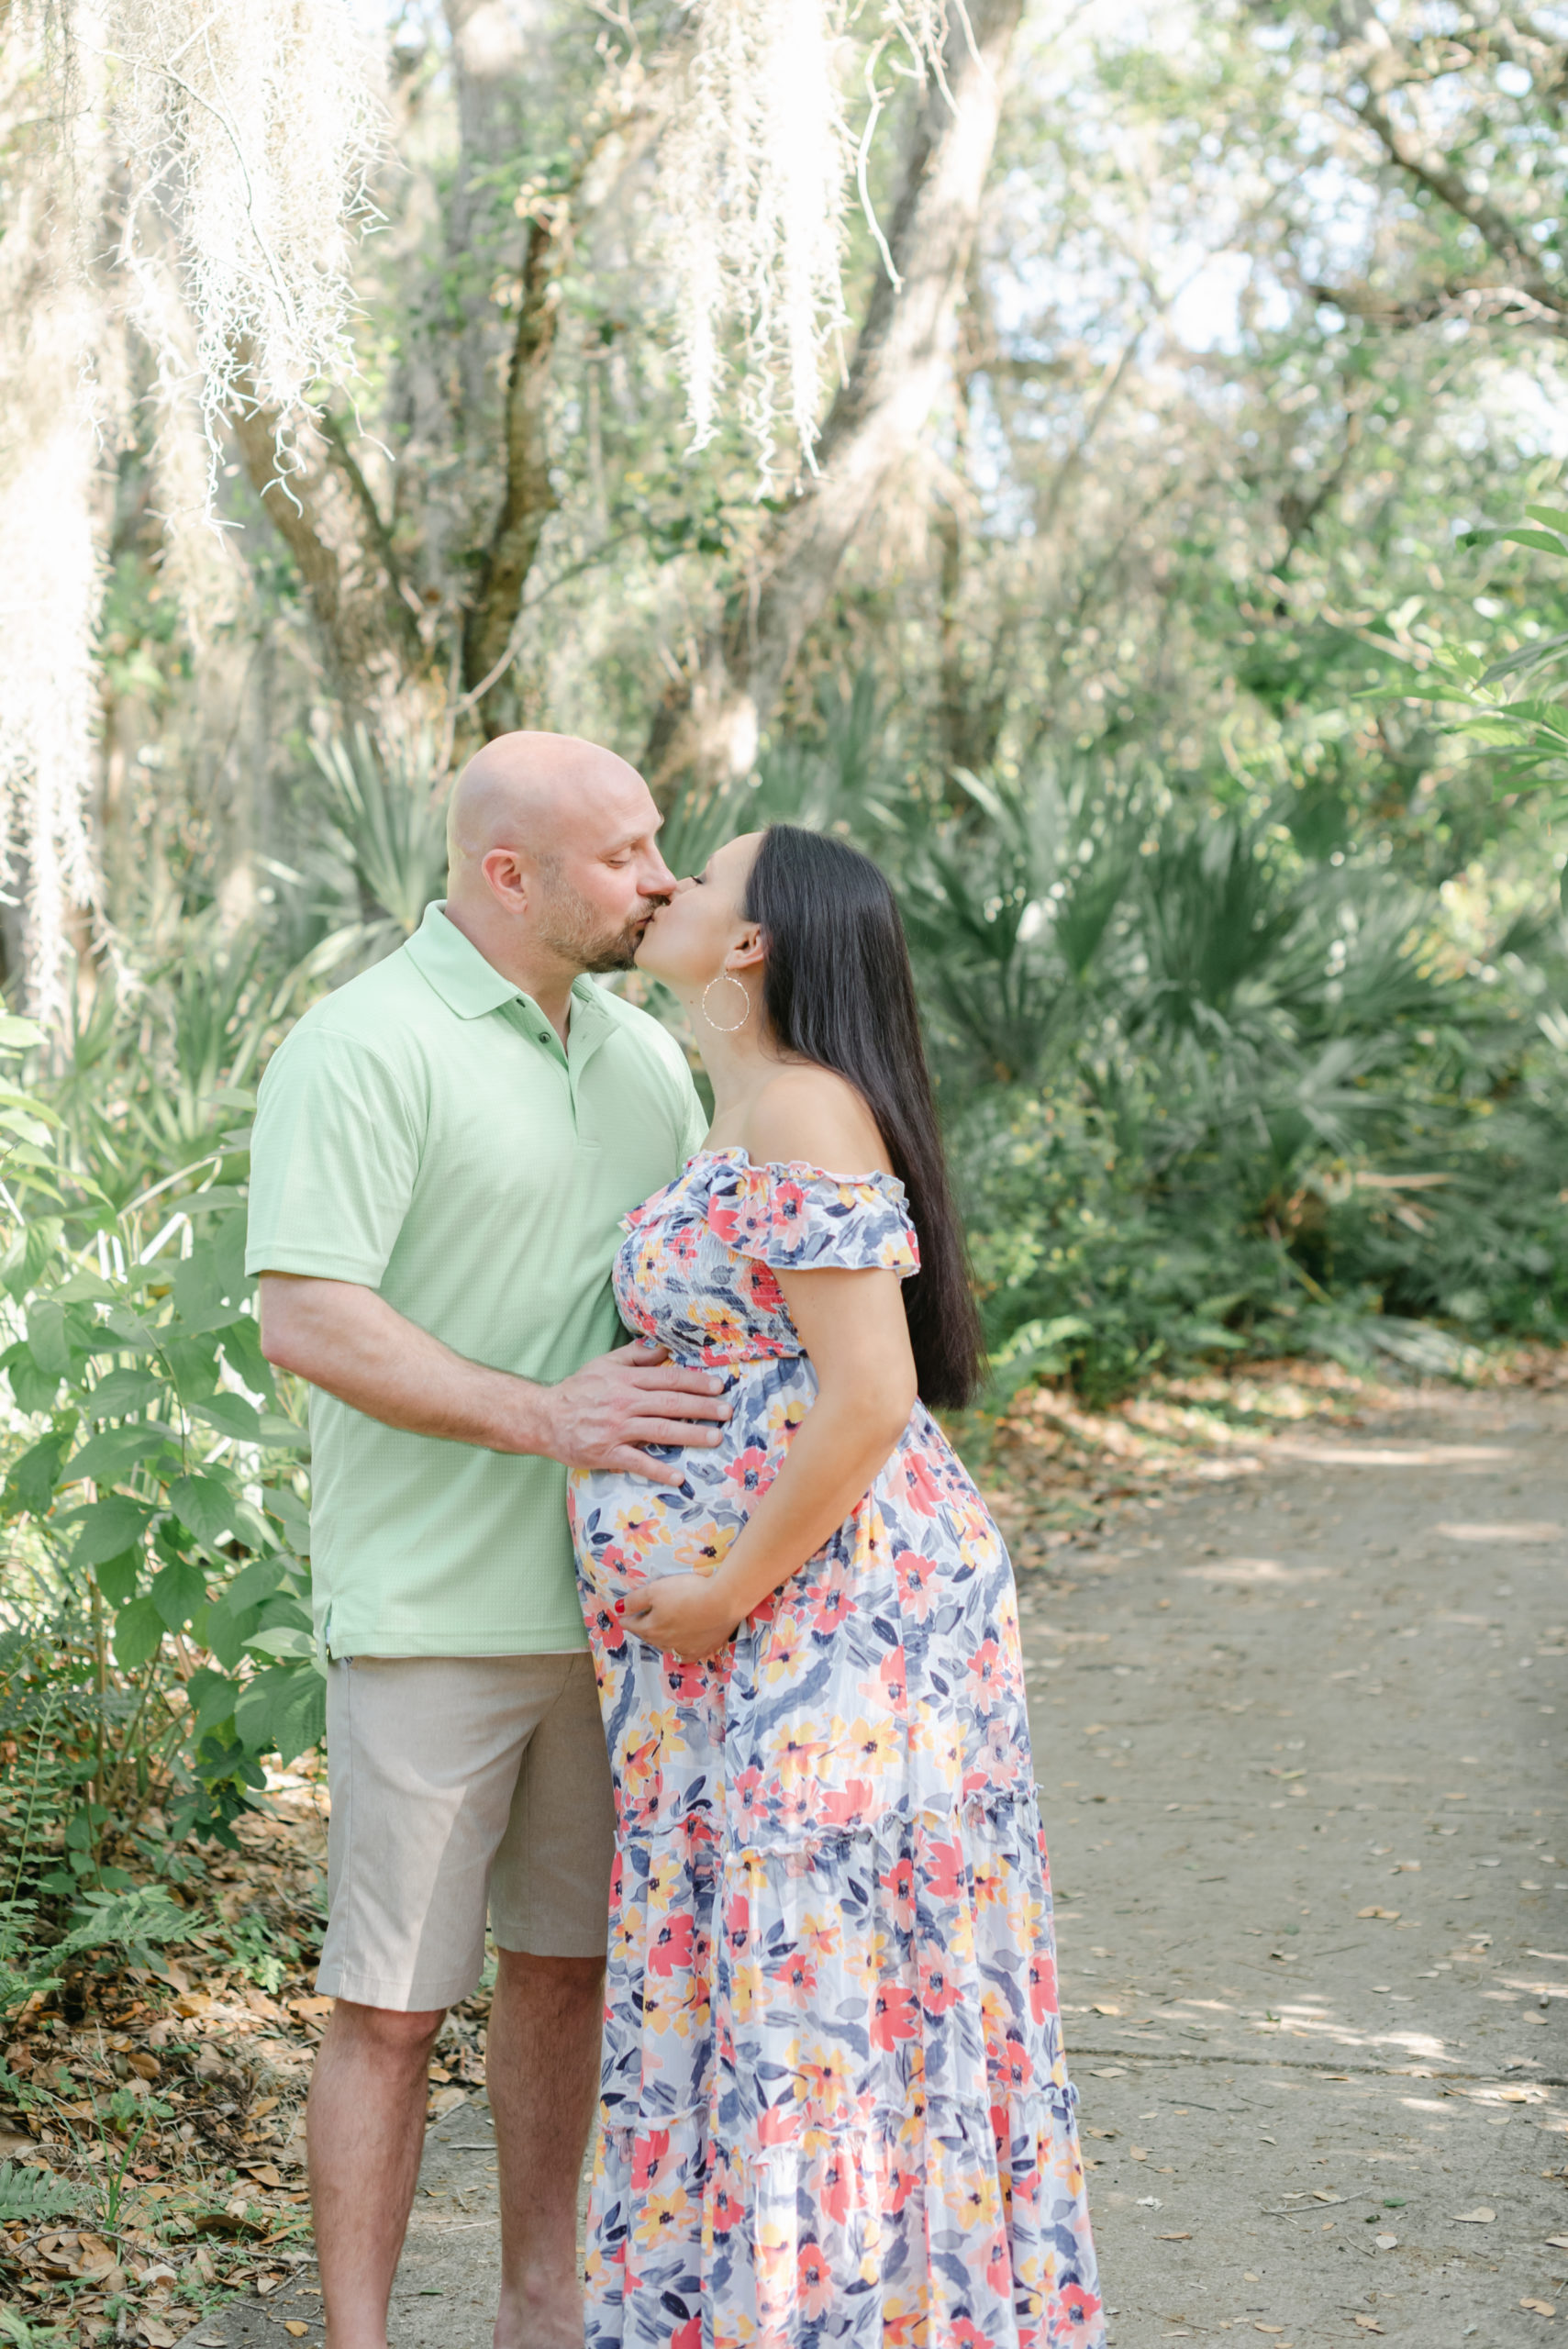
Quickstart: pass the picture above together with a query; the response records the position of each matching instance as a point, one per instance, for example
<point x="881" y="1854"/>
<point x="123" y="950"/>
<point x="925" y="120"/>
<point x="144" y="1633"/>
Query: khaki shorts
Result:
<point x="460" y="1783"/>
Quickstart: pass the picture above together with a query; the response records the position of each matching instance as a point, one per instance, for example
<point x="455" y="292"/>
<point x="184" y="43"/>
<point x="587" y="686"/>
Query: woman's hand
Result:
<point x="684" y="1613"/>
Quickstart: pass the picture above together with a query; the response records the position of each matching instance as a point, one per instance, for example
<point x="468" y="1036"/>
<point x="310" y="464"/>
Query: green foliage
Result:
<point x="158" y="1640"/>
<point x="28" y="2196"/>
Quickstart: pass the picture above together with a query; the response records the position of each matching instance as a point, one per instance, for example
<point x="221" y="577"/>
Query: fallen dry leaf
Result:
<point x="156" y="2335"/>
<point x="11" y="2146"/>
<point x="1267" y="2328"/>
<point x="1479" y="2216"/>
<point x="1389" y="1916"/>
<point x="263" y="2173"/>
<point x="1540" y="2308"/>
<point x="1558" y="2243"/>
<point x="1139" y="2152"/>
<point x="265" y="2284"/>
<point x="1105" y="2010"/>
<point x="1369" y="2324"/>
<point x="447" y="2101"/>
<point x="1172" y="2238"/>
<point x="293" y="2324"/>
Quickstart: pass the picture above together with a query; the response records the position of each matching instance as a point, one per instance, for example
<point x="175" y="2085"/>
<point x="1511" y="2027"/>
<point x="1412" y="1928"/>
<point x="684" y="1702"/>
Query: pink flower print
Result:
<point x="1020" y="2064"/>
<point x="688" y="2335"/>
<point x="673" y="1945"/>
<point x="830" y="2188"/>
<point x="1078" y="2317"/>
<point x="892" y="1683"/>
<point x="787" y="1209"/>
<point x="752" y="1800"/>
<point x="778" y="2125"/>
<point x="998" y="2266"/>
<point x="750" y="1474"/>
<point x="941" y="1988"/>
<point x="724" y="1222"/>
<point x="814" y="2281"/>
<point x="898" y="1884"/>
<point x="924" y="1493"/>
<point x="829" y="1605"/>
<point x="725" y="2203"/>
<point x="649" y="2159"/>
<point x="892" y="2015"/>
<point x="987" y="1669"/>
<point x="943" y="1870"/>
<point x="845" y="1806"/>
<point x="915" y="1577"/>
<point x="964" y="2334"/>
<point x="737" y="1924"/>
<point x="1042" y="1984"/>
<point x="796" y="1977"/>
<point x="687" y="1683"/>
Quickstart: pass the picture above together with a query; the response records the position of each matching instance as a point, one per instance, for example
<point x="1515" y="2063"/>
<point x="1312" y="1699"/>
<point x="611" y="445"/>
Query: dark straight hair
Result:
<point x="837" y="990"/>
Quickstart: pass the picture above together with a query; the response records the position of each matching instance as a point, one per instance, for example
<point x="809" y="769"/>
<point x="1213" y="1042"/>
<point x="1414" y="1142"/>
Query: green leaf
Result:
<point x="114" y="1452"/>
<point x="122" y="1391"/>
<point x="138" y="1634"/>
<point x="211" y="1696"/>
<point x="283" y="1711"/>
<point x="206" y="1505"/>
<point x="282" y="1639"/>
<point x="84" y="1288"/>
<point x="28" y="2196"/>
<point x="255" y="1582"/>
<point x="116" y="1577"/>
<point x="46" y="1338"/>
<point x="109" y="1526"/>
<point x="37" y="1472"/>
<point x="20" y="1035"/>
<point x="34" y="1389"/>
<point x="230" y="1415"/>
<point x="285" y="1506"/>
<point x="177" y="1593"/>
<point x="131" y="1330"/>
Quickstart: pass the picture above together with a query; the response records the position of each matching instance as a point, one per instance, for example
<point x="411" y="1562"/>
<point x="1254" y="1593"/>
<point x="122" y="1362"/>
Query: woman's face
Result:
<point x="688" y="940"/>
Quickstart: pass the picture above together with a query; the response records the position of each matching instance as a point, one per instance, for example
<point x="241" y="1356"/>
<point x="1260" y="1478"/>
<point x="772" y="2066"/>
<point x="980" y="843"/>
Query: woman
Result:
<point x="834" y="2103"/>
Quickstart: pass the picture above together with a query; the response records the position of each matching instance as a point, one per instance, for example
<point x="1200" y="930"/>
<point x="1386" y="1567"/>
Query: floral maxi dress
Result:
<point x="834" y="2104"/>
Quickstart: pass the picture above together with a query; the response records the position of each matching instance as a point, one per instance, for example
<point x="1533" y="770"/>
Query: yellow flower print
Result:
<point x="662" y="2218"/>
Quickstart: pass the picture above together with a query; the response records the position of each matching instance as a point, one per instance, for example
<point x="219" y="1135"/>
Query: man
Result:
<point x="444" y="1151"/>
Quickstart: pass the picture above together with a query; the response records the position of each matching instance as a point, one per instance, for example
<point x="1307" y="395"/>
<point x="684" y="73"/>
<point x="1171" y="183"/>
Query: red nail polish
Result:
<point x="620" y="1607"/>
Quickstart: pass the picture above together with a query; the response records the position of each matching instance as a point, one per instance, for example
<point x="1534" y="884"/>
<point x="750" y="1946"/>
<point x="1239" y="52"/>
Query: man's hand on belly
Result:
<point x="600" y="1416"/>
<point x="349" y="1341"/>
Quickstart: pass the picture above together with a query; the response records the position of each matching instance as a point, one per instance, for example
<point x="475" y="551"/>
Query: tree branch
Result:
<point x="319" y="503"/>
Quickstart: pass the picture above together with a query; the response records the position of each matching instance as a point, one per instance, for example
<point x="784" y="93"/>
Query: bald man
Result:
<point x="444" y="1150"/>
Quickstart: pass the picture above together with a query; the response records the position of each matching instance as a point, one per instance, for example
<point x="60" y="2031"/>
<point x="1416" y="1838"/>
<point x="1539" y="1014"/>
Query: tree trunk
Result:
<point x="709" y="726"/>
<point x="321" y="507"/>
<point x="530" y="496"/>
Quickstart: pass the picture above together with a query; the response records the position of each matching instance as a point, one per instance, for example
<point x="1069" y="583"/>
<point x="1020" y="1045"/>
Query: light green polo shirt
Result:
<point x="422" y="1132"/>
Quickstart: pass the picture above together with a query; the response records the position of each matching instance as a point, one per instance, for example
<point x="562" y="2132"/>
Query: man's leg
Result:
<point x="543" y="2073"/>
<point x="366" y="2122"/>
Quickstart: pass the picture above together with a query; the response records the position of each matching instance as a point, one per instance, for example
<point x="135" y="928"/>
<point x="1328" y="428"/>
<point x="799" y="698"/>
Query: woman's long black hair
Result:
<point x="838" y="990"/>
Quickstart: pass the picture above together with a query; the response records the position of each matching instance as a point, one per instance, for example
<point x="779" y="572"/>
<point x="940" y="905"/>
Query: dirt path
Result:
<point x="1298" y="1733"/>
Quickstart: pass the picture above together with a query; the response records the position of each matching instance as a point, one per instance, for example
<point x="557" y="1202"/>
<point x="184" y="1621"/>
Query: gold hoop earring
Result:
<point x="726" y="978"/>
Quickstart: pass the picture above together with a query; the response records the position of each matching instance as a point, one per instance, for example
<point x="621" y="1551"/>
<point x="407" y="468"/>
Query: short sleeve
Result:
<point x="798" y="1220"/>
<point x="333" y="1161"/>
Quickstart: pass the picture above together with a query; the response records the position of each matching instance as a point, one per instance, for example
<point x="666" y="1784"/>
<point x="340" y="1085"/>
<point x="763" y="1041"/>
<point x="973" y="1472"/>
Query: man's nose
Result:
<point x="658" y="881"/>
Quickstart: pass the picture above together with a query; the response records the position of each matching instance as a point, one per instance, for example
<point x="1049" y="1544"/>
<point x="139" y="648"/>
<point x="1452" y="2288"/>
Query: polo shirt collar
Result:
<point x="469" y="986"/>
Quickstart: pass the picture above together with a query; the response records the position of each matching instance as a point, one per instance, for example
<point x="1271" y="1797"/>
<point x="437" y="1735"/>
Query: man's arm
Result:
<point x="348" y="1341"/>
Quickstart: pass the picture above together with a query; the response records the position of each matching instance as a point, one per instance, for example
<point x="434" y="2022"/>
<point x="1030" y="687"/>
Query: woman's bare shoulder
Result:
<point x="813" y="1116"/>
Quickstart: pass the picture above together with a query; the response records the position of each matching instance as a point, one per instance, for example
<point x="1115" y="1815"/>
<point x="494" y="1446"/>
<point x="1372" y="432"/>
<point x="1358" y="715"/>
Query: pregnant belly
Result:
<point x="628" y="1530"/>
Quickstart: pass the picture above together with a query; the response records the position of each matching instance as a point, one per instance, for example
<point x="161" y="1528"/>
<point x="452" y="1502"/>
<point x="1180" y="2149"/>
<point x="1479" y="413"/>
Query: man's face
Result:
<point x="601" y="884"/>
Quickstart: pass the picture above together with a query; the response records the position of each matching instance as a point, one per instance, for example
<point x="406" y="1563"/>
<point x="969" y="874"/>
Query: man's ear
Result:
<point x="749" y="952"/>
<point x="507" y="879"/>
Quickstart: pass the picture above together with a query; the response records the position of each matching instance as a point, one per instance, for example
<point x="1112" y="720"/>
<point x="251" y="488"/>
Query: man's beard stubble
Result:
<point x="570" y="929"/>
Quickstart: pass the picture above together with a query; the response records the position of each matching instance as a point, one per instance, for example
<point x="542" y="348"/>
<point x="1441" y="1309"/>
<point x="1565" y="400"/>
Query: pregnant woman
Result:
<point x="835" y="2106"/>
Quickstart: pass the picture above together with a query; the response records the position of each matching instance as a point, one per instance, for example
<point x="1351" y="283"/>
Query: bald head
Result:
<point x="553" y="859"/>
<point x="531" y="792"/>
